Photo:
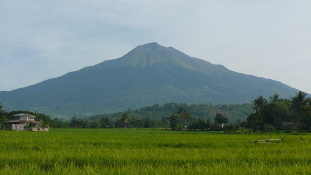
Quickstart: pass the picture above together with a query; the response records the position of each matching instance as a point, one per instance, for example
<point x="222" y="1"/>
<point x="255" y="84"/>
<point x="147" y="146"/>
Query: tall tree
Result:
<point x="125" y="119"/>
<point x="259" y="105"/>
<point x="306" y="120"/>
<point x="74" y="122"/>
<point x="300" y="102"/>
<point x="147" y="123"/>
<point x="173" y="122"/>
<point x="276" y="112"/>
<point x="184" y="116"/>
<point x="104" y="122"/>
<point x="2" y="116"/>
<point x="274" y="98"/>
<point x="221" y="119"/>
<point x="200" y="124"/>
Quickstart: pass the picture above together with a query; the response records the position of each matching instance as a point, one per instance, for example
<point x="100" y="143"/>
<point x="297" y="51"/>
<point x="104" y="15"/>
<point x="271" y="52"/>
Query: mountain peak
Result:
<point x="153" y="53"/>
<point x="152" y="45"/>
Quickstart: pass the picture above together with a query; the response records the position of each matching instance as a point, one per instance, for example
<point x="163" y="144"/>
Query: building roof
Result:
<point x="14" y="121"/>
<point x="287" y="123"/>
<point x="222" y="124"/>
<point x="22" y="114"/>
<point x="22" y="121"/>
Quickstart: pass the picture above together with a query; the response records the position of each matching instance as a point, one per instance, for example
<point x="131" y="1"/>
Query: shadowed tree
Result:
<point x="2" y="116"/>
<point x="306" y="120"/>
<point x="300" y="102"/>
<point x="173" y="122"/>
<point x="105" y="122"/>
<point x="253" y="121"/>
<point x="274" y="98"/>
<point x="147" y="123"/>
<point x="78" y="123"/>
<point x="184" y="116"/>
<point x="124" y="119"/>
<point x="200" y="124"/>
<point x="301" y="107"/>
<point x="259" y="105"/>
<point x="276" y="112"/>
<point x="220" y="119"/>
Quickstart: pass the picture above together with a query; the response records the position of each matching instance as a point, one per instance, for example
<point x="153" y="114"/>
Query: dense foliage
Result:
<point x="155" y="116"/>
<point x="170" y="115"/>
<point x="281" y="113"/>
<point x="204" y="110"/>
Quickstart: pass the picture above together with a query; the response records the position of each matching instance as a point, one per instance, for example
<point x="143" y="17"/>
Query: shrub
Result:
<point x="270" y="128"/>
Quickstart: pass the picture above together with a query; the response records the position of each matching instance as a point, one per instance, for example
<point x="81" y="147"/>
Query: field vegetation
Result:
<point x="150" y="151"/>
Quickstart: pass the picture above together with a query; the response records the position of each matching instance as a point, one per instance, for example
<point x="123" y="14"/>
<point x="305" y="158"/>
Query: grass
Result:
<point x="134" y="151"/>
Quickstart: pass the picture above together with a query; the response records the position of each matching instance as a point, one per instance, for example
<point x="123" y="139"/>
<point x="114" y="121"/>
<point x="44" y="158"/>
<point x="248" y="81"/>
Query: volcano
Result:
<point x="148" y="74"/>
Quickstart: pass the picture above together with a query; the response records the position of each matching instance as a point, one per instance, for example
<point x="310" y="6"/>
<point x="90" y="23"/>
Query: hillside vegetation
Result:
<point x="233" y="112"/>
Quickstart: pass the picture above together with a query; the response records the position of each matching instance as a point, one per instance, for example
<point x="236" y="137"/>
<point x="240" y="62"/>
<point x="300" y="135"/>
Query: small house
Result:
<point x="222" y="125"/>
<point x="19" y="121"/>
<point x="287" y="125"/>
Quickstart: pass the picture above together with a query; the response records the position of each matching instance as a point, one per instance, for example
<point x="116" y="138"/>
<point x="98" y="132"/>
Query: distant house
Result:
<point x="222" y="125"/>
<point x="20" y="120"/>
<point x="287" y="125"/>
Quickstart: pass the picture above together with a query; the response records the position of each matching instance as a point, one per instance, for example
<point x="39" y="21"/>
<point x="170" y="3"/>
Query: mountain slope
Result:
<point x="146" y="75"/>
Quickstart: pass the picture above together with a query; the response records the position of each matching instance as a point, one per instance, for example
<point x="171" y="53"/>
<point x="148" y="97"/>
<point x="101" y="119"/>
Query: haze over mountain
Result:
<point x="146" y="75"/>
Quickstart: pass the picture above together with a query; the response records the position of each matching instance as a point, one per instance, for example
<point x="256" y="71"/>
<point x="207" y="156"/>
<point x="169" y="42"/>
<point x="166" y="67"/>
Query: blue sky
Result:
<point x="40" y="40"/>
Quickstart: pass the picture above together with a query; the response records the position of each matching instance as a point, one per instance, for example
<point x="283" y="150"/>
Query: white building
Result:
<point x="19" y="121"/>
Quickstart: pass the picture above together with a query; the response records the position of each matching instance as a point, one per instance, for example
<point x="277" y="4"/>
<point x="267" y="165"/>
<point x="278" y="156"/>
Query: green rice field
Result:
<point x="138" y="151"/>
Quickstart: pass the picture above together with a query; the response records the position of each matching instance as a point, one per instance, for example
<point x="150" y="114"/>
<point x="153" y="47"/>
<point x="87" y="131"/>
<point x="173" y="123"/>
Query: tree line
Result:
<point x="281" y="113"/>
<point x="128" y="119"/>
<point x="260" y="114"/>
<point x="181" y="120"/>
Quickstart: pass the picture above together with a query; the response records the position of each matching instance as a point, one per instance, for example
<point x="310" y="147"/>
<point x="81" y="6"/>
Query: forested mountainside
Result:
<point x="233" y="112"/>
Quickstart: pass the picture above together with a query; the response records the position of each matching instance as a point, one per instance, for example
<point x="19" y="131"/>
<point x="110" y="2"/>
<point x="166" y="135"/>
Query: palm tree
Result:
<point x="259" y="105"/>
<point x="181" y="113"/>
<point x="188" y="118"/>
<point x="124" y="118"/>
<point x="274" y="98"/>
<point x="300" y="102"/>
<point x="28" y="126"/>
<point x="43" y="125"/>
<point x="184" y="115"/>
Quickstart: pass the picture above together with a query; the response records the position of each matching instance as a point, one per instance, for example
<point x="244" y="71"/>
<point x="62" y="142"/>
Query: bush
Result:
<point x="295" y="133"/>
<point x="270" y="128"/>
<point x="244" y="131"/>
